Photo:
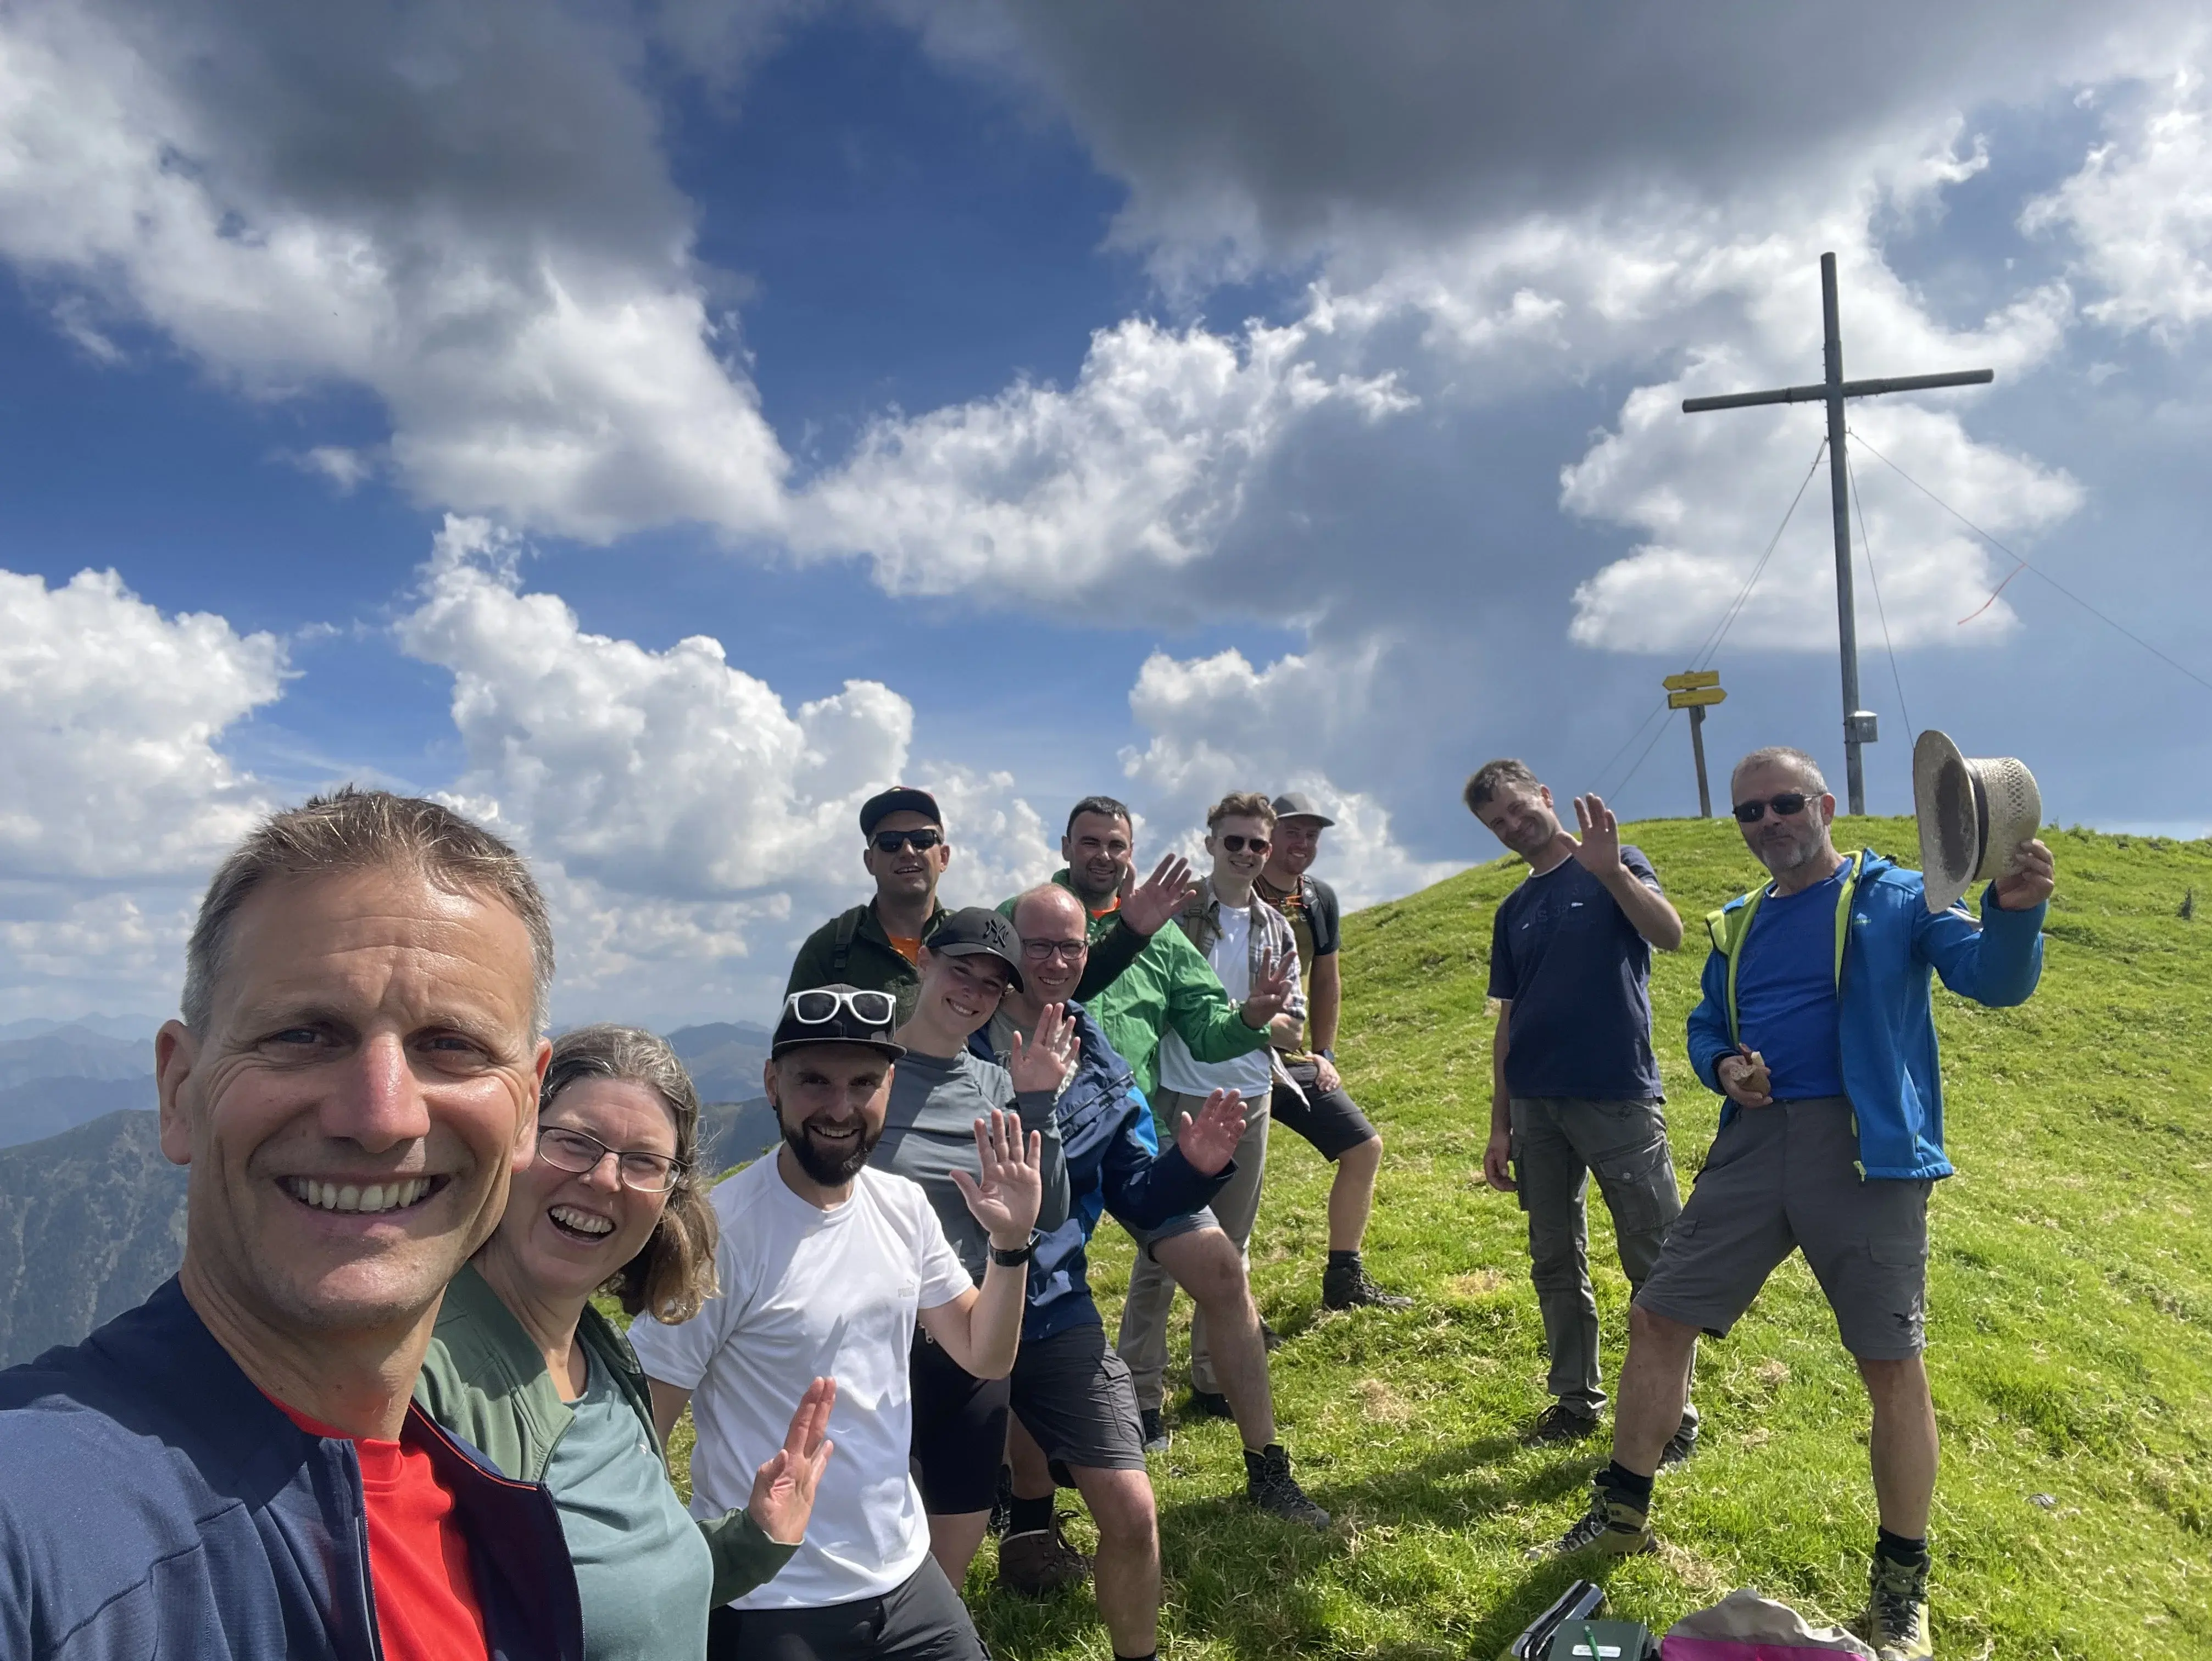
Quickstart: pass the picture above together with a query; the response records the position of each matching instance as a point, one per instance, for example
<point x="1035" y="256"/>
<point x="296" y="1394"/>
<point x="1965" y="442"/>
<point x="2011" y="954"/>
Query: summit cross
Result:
<point x="1858" y="724"/>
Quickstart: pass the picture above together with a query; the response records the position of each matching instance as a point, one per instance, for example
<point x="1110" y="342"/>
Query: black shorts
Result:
<point x="959" y="1431"/>
<point x="1330" y="1120"/>
<point x="923" y="1620"/>
<point x="1073" y="1394"/>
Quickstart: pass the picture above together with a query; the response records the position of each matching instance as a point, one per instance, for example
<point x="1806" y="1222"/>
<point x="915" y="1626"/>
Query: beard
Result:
<point x="831" y="1171"/>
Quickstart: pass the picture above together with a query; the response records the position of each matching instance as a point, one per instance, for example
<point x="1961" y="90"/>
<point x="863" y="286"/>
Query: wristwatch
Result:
<point x="1020" y="1255"/>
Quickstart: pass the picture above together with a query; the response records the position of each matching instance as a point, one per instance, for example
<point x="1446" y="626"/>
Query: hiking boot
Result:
<point x="1346" y="1286"/>
<point x="1561" y="1423"/>
<point x="1209" y="1403"/>
<point x="1897" y="1612"/>
<point x="1681" y="1445"/>
<point x="1040" y="1562"/>
<point x="1269" y="1485"/>
<point x="1157" y="1439"/>
<point x="1270" y="1340"/>
<point x="1611" y="1528"/>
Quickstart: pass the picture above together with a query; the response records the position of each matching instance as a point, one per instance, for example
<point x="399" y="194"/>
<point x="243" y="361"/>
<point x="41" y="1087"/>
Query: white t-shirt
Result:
<point x="1231" y="959"/>
<point x="806" y="1292"/>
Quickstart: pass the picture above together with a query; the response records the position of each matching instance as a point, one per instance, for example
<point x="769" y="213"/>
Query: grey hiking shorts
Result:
<point x="1783" y="1178"/>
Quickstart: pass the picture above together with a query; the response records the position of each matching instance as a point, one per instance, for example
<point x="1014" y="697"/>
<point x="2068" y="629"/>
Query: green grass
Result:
<point x="2071" y="1325"/>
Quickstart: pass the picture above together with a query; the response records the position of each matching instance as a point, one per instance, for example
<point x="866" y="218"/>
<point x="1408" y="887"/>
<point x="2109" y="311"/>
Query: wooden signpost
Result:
<point x="1696" y="691"/>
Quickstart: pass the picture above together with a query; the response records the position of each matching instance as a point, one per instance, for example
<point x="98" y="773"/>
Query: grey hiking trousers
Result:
<point x="1558" y="1143"/>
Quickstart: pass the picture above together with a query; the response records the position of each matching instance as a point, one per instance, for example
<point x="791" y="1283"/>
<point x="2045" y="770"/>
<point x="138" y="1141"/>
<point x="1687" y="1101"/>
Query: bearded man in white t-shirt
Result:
<point x="826" y="1266"/>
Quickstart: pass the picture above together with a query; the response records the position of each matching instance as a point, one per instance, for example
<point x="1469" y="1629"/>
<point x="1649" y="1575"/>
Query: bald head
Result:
<point x="1055" y="934"/>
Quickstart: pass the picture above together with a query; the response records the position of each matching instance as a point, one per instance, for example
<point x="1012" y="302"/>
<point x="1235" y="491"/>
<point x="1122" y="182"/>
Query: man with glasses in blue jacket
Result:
<point x="1073" y="1402"/>
<point x="1815" y="1025"/>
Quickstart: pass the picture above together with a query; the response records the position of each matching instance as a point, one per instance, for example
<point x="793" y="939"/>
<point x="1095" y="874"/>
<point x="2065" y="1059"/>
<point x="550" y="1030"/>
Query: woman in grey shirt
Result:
<point x="940" y="1088"/>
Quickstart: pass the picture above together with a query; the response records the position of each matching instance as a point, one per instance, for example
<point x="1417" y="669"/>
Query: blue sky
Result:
<point x="1164" y="401"/>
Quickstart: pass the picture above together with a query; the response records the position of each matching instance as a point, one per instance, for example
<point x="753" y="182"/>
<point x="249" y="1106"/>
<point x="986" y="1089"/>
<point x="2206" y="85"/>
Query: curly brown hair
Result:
<point x="673" y="1273"/>
<point x="1241" y="805"/>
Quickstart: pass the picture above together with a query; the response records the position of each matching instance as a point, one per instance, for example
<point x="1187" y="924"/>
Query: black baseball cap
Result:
<point x="899" y="798"/>
<point x="838" y="1014"/>
<point x="1296" y="805"/>
<point x="976" y="930"/>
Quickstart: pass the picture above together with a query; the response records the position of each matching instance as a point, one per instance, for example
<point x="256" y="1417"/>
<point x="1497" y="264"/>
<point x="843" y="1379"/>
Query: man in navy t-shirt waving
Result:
<point x="1574" y="1085"/>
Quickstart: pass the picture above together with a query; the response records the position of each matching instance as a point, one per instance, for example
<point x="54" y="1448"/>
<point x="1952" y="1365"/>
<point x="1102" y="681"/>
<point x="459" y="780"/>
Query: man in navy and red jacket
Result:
<point x="235" y="1468"/>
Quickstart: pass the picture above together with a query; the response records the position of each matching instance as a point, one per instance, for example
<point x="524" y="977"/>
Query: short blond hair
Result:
<point x="1242" y="804"/>
<point x="352" y="830"/>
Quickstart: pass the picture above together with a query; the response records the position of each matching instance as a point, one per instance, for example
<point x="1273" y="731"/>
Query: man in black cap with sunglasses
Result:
<point x="878" y="945"/>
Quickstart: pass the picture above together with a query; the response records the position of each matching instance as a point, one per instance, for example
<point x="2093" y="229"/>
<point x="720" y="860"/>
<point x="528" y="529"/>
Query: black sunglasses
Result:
<point x="1789" y="802"/>
<point x="1235" y="844"/>
<point x="921" y="841"/>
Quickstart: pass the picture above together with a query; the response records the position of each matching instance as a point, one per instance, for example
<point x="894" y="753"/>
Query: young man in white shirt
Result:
<point x="826" y="1266"/>
<point x="1238" y="933"/>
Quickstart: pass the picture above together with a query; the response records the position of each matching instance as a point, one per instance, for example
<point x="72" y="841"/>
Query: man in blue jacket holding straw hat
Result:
<point x="1815" y="1025"/>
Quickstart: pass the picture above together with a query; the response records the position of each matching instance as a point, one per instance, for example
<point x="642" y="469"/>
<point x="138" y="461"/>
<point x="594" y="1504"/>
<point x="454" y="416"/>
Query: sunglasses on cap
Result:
<point x="921" y="841"/>
<point x="1789" y="802"/>
<point x="1238" y="844"/>
<point x="819" y="1005"/>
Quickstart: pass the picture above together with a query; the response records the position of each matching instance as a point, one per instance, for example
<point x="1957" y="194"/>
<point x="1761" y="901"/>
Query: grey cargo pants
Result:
<point x="1558" y="1143"/>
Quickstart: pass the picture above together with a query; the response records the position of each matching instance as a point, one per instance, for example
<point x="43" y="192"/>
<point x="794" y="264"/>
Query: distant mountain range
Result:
<point x="91" y="1221"/>
<point x="91" y="1216"/>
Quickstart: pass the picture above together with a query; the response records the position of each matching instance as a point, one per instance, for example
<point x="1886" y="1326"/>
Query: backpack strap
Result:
<point x="848" y="926"/>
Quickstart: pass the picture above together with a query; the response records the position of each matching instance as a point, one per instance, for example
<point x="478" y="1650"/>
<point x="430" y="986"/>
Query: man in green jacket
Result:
<point x="875" y="947"/>
<point x="1169" y="987"/>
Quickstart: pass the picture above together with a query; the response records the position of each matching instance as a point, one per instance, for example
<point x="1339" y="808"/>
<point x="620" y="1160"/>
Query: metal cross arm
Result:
<point x="1832" y="390"/>
<point x="1817" y="391"/>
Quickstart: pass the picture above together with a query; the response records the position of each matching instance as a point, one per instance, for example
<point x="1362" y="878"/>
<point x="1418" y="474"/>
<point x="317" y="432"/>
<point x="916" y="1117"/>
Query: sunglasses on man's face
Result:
<point x="1238" y="844"/>
<point x="1789" y="802"/>
<point x="921" y="841"/>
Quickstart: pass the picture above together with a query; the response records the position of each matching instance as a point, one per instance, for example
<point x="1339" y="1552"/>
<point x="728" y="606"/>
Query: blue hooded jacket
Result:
<point x="1883" y="961"/>
<point x="1113" y="1164"/>
<point x="154" y="1503"/>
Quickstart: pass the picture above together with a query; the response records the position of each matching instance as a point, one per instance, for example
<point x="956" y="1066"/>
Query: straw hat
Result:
<point x="1973" y="813"/>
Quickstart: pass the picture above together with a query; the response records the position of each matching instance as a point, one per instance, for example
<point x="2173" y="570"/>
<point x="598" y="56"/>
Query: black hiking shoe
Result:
<point x="1212" y="1404"/>
<point x="1269" y="1485"/>
<point x="1270" y="1340"/>
<point x="1346" y="1286"/>
<point x="1157" y="1439"/>
<point x="1561" y="1423"/>
<point x="1681" y="1445"/>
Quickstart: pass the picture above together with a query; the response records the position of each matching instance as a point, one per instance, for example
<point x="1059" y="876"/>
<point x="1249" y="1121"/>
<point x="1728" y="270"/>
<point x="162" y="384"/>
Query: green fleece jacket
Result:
<point x="485" y="1380"/>
<point x="1167" y="984"/>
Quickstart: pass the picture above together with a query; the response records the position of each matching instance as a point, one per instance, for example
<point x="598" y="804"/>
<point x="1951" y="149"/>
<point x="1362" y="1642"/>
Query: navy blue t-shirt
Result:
<point x="1579" y="976"/>
<point x="1785" y="991"/>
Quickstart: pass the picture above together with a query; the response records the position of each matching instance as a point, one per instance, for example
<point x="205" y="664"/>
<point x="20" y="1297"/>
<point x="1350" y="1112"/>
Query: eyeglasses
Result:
<point x="1067" y="951"/>
<point x="1238" y="844"/>
<point x="820" y="1005"/>
<point x="1789" y="802"/>
<point x="574" y="1152"/>
<point x="921" y="841"/>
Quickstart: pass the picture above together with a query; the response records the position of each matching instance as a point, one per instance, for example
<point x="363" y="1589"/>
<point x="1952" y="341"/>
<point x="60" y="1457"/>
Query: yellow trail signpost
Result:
<point x="1695" y="692"/>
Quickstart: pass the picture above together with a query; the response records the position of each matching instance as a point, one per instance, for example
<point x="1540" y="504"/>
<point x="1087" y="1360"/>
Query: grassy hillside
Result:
<point x="2071" y="1324"/>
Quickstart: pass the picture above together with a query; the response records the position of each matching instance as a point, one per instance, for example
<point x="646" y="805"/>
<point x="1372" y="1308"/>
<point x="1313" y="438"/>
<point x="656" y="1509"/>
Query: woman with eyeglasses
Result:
<point x="526" y="1368"/>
